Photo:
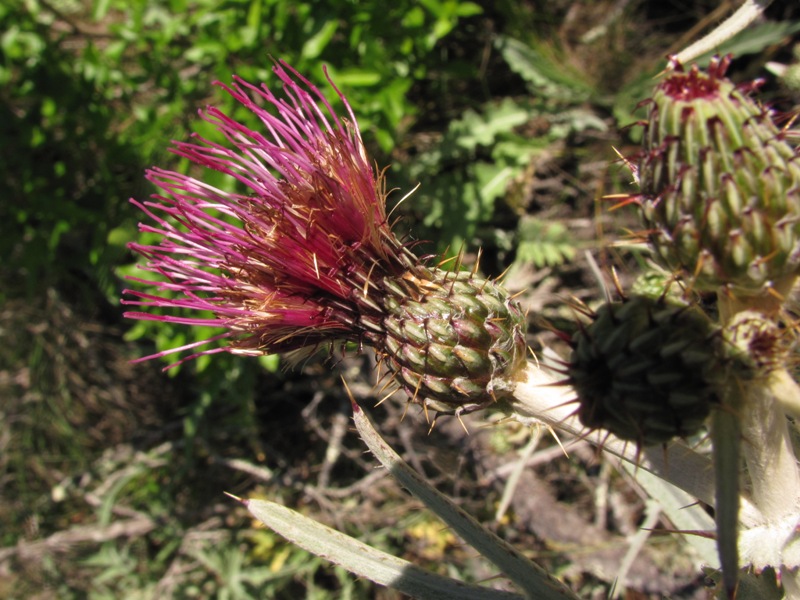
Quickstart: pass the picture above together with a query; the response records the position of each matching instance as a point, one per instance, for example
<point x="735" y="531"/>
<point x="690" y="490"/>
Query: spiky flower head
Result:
<point x="303" y="255"/>
<point x="720" y="185"/>
<point x="646" y="369"/>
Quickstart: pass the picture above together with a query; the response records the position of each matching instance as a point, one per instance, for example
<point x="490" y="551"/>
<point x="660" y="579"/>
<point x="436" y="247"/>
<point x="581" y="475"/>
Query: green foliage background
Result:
<point x="462" y="97"/>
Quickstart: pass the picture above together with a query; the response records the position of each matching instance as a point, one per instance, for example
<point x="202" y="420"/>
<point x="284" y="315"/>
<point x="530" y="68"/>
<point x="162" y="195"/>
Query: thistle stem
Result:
<point x="773" y="475"/>
<point x="786" y="392"/>
<point x="767" y="447"/>
<point x="774" y="478"/>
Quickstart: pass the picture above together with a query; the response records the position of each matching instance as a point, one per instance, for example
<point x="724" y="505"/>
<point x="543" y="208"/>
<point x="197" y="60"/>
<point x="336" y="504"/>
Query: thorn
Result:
<point x="627" y="199"/>
<point x="459" y="258"/>
<point x="386" y="397"/>
<point x="353" y="403"/>
<point x="557" y="439"/>
<point x="476" y="266"/>
<point x="379" y="367"/>
<point x="579" y="307"/>
<point x="405" y="411"/>
<point x="391" y="379"/>
<point x="709" y="535"/>
<point x="790" y="123"/>
<point x="416" y="392"/>
<point x="463" y="425"/>
<point x="444" y="261"/>
<point x="502" y="275"/>
<point x="628" y="163"/>
<point x="698" y="268"/>
<point x="765" y="259"/>
<point x="567" y="403"/>
<point x="240" y="500"/>
<point x="602" y="445"/>
<point x="775" y="293"/>
<point x="452" y="283"/>
<point x="433" y="423"/>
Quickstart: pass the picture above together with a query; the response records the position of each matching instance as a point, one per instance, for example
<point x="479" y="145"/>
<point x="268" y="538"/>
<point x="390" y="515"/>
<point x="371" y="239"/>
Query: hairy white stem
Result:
<point x="774" y="478"/>
<point x="790" y="579"/>
<point x="786" y="393"/>
<point x="768" y="451"/>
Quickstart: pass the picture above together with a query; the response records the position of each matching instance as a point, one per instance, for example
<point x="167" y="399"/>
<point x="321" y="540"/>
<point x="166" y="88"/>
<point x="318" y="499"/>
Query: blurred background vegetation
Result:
<point x="505" y="112"/>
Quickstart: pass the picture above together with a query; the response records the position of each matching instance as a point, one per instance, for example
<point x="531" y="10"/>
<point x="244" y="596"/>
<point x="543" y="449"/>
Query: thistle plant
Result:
<point x="303" y="258"/>
<point x="720" y="201"/>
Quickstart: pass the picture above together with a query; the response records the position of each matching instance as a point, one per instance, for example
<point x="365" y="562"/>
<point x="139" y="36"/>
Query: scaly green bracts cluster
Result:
<point x="453" y="340"/>
<point x="720" y="186"/>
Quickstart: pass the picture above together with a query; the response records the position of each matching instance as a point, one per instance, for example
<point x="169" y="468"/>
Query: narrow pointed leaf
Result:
<point x="366" y="561"/>
<point x="529" y="576"/>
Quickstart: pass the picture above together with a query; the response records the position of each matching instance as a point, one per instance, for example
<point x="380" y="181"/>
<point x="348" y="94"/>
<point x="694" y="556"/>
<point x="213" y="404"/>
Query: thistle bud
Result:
<point x="720" y="186"/>
<point x="453" y="339"/>
<point x="645" y="369"/>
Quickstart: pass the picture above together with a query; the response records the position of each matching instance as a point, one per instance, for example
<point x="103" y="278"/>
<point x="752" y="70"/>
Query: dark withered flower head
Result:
<point x="303" y="256"/>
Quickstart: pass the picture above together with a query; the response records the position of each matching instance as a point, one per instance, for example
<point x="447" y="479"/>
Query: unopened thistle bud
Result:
<point x="720" y="185"/>
<point x="646" y="369"/>
<point x="302" y="256"/>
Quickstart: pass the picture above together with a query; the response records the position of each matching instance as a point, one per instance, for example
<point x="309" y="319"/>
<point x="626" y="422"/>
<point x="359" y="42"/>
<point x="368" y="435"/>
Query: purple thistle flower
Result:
<point x="304" y="256"/>
<point x="278" y="265"/>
